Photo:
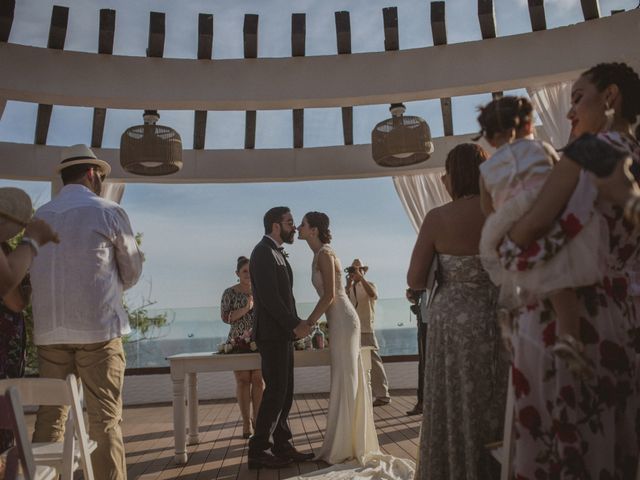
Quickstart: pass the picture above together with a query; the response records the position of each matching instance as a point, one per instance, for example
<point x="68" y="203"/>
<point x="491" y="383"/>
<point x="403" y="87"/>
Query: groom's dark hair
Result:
<point x="274" y="215"/>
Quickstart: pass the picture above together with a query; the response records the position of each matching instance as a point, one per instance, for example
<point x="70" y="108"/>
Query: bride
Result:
<point x="351" y="433"/>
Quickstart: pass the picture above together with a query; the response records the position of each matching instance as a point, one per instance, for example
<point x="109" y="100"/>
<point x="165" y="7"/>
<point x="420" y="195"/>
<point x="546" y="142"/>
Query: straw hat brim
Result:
<point x="104" y="166"/>
<point x="15" y="211"/>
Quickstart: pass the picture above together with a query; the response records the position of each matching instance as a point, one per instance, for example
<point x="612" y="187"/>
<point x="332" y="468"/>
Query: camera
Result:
<point x="350" y="270"/>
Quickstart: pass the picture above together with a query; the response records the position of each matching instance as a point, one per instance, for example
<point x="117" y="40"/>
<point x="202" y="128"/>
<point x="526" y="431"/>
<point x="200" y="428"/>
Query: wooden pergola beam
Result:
<point x="343" y="45"/>
<point x="298" y="38"/>
<point x="7" y="10"/>
<point x="323" y="81"/>
<point x="487" y="18"/>
<point x="105" y="46"/>
<point x="155" y="46"/>
<point x="57" y="36"/>
<point x="205" y="52"/>
<point x="537" y="16"/>
<point x="250" y="37"/>
<point x="439" y="33"/>
<point x="590" y="9"/>
<point x="391" y="37"/>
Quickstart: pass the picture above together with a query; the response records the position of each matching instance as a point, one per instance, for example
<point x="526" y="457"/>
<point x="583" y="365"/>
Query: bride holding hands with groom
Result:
<point x="350" y="443"/>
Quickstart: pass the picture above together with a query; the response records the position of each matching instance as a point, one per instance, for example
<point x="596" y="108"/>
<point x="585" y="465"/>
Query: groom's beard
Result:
<point x="287" y="237"/>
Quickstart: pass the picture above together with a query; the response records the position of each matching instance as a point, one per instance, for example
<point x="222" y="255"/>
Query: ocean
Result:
<point x="200" y="329"/>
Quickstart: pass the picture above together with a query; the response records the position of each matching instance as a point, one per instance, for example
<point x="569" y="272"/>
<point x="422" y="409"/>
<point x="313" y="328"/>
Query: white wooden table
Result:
<point x="186" y="366"/>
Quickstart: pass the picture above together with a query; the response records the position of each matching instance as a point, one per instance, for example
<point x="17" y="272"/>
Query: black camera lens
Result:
<point x="350" y="270"/>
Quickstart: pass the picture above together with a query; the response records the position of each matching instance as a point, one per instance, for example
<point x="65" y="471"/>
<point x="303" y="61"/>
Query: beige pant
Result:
<point x="101" y="368"/>
<point x="379" y="384"/>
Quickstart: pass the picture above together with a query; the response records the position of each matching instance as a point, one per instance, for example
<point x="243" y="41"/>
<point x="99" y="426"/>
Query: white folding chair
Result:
<point x="12" y="418"/>
<point x="75" y="451"/>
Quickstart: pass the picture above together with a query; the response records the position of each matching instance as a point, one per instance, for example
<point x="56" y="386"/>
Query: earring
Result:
<point x="609" y="114"/>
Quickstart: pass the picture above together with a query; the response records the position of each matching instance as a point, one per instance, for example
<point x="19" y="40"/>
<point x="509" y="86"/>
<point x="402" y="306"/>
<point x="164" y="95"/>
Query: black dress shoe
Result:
<point x="417" y="410"/>
<point x="266" y="460"/>
<point x="294" y="455"/>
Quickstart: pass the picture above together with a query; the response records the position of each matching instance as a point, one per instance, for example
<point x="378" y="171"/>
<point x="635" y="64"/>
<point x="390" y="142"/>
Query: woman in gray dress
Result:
<point x="465" y="366"/>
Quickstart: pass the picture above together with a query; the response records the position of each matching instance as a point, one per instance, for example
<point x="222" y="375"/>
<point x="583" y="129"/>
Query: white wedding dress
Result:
<point x="350" y="441"/>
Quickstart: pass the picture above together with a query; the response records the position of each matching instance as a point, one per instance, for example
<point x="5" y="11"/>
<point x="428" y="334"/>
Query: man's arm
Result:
<point x="264" y="273"/>
<point x="369" y="288"/>
<point x="128" y="256"/>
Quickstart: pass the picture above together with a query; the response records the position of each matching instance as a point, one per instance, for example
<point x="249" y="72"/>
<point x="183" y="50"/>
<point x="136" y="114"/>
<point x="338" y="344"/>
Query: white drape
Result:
<point x="552" y="103"/>
<point x="421" y="193"/>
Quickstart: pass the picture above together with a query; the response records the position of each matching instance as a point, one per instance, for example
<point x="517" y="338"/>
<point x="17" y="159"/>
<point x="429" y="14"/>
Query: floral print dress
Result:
<point x="566" y="427"/>
<point x="465" y="375"/>
<point x="234" y="300"/>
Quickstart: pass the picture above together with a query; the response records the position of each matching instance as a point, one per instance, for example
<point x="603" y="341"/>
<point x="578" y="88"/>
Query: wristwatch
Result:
<point x="35" y="248"/>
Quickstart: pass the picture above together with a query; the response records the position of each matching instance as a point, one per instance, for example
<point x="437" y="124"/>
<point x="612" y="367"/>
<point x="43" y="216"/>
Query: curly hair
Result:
<point x="504" y="114"/>
<point x="463" y="167"/>
<point x="320" y="221"/>
<point x="627" y="80"/>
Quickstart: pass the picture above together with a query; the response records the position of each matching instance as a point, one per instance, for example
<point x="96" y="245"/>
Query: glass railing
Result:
<point x="200" y="329"/>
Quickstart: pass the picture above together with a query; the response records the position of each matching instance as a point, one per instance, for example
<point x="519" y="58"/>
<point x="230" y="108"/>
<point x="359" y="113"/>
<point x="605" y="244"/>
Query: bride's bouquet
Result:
<point x="239" y="344"/>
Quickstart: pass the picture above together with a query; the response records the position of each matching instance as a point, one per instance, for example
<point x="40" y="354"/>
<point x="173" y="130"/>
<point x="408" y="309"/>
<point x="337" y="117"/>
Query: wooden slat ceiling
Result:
<point x="205" y="52"/>
<point x="439" y="33"/>
<point x="105" y="47"/>
<point x="343" y="40"/>
<point x="57" y="36"/>
<point x="250" y="34"/>
<point x="156" y="41"/>
<point x="298" y="38"/>
<point x="7" y="9"/>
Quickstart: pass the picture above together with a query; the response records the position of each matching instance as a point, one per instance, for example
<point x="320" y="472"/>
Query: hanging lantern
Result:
<point x="151" y="149"/>
<point x="400" y="141"/>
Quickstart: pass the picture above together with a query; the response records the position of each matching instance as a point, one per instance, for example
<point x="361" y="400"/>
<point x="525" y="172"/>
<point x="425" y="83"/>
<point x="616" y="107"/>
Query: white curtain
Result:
<point x="552" y="103"/>
<point x="421" y="193"/>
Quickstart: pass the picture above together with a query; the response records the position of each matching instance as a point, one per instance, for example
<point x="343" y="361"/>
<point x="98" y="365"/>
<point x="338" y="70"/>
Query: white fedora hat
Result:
<point x="81" y="155"/>
<point x="15" y="211"/>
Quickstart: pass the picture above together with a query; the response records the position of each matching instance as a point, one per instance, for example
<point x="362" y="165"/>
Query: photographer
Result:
<point x="416" y="299"/>
<point x="363" y="296"/>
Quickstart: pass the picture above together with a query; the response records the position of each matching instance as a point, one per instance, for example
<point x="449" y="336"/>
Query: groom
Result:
<point x="277" y="325"/>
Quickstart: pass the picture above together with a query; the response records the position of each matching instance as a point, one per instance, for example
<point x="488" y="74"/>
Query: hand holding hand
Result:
<point x="41" y="232"/>
<point x="302" y="330"/>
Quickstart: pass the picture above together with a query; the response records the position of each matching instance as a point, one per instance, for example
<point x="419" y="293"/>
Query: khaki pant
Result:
<point x="379" y="384"/>
<point x="100" y="366"/>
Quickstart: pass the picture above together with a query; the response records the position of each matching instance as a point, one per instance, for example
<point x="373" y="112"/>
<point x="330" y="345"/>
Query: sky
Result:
<point x="194" y="233"/>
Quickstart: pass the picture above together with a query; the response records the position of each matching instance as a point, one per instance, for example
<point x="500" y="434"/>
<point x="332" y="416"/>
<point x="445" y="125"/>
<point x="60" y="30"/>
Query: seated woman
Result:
<point x="237" y="310"/>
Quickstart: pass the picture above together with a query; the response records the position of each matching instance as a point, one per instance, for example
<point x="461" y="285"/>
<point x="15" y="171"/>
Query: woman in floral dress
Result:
<point x="465" y="375"/>
<point x="236" y="309"/>
<point x="569" y="427"/>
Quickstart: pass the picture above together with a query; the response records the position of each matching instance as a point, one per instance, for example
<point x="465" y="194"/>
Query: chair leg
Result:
<point x="507" y="436"/>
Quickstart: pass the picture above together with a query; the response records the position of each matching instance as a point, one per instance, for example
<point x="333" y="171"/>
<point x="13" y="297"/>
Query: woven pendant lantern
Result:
<point x="151" y="149"/>
<point x="400" y="141"/>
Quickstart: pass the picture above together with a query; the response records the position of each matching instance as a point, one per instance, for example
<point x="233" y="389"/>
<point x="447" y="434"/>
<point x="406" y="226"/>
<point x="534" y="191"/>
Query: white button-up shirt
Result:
<point x="78" y="284"/>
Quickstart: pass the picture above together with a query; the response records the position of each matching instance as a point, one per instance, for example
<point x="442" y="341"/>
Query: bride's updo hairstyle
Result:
<point x="320" y="221"/>
<point x="627" y="80"/>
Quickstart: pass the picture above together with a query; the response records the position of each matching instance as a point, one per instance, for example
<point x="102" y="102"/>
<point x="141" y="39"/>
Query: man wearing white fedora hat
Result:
<point x="77" y="304"/>
<point x="363" y="295"/>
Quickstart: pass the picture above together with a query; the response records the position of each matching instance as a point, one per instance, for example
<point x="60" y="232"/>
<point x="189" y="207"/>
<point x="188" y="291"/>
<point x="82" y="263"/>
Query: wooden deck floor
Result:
<point x="221" y="453"/>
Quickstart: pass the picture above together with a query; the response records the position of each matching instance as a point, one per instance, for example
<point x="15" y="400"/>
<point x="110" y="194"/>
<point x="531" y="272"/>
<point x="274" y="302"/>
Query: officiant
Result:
<point x="363" y="295"/>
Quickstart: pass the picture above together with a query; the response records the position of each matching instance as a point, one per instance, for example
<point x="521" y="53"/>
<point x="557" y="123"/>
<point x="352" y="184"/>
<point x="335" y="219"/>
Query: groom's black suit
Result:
<point x="276" y="317"/>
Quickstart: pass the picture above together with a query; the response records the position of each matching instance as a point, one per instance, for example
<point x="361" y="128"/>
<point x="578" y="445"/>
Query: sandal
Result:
<point x="571" y="351"/>
<point x="246" y="430"/>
